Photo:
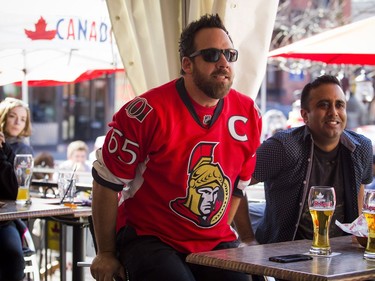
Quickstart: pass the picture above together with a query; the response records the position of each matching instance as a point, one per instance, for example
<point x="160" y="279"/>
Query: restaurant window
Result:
<point x="43" y="104"/>
<point x="44" y="115"/>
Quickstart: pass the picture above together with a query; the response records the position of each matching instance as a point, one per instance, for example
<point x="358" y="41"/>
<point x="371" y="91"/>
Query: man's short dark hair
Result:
<point x="321" y="80"/>
<point x="186" y="43"/>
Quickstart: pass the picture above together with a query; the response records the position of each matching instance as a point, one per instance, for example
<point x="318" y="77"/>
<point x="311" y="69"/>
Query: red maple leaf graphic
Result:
<point x="41" y="32"/>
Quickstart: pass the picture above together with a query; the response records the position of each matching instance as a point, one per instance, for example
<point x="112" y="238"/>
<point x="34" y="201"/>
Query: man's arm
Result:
<point x="240" y="215"/>
<point x="242" y="221"/>
<point x="235" y="202"/>
<point x="104" y="213"/>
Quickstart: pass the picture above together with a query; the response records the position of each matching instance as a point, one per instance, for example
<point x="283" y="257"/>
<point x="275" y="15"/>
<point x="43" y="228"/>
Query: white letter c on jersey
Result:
<point x="232" y="130"/>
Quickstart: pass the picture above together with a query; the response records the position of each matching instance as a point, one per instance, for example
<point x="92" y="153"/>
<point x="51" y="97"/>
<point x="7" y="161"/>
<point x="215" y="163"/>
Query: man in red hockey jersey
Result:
<point x="174" y="155"/>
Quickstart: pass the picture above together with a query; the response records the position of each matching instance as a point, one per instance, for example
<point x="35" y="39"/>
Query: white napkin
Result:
<point x="357" y="227"/>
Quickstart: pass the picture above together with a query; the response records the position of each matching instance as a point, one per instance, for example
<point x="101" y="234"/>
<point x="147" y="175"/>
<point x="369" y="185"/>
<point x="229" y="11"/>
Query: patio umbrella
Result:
<point x="43" y="40"/>
<point x="349" y="44"/>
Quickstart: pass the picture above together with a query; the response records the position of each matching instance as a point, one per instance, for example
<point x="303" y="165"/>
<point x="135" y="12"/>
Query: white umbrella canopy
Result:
<point x="349" y="44"/>
<point x="147" y="33"/>
<point x="54" y="40"/>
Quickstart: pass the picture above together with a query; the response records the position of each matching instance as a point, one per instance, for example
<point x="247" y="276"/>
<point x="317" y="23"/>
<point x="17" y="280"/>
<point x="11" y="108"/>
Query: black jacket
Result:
<point x="8" y="180"/>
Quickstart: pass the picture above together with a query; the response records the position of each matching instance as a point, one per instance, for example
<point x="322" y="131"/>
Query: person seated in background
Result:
<point x="77" y="153"/>
<point x="273" y="121"/>
<point x="15" y="123"/>
<point x="44" y="160"/>
<point x="12" y="263"/>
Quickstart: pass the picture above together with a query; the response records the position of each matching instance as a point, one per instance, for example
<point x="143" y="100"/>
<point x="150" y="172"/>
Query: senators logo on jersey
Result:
<point x="207" y="195"/>
<point x="138" y="109"/>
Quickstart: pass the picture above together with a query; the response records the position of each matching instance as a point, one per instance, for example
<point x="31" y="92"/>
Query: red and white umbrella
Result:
<point x="349" y="44"/>
<point x="43" y="40"/>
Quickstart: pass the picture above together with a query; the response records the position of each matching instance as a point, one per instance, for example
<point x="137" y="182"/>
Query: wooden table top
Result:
<point x="348" y="265"/>
<point x="11" y="210"/>
<point x="39" y="208"/>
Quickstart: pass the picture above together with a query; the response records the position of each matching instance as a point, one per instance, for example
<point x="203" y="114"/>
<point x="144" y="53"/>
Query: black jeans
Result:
<point x="12" y="262"/>
<point x="146" y="258"/>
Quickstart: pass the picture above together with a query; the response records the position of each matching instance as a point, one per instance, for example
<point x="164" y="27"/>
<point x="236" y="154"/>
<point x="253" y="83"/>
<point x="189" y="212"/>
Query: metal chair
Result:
<point x="29" y="254"/>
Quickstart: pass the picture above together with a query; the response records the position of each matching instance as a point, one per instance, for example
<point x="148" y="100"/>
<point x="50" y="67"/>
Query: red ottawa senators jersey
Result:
<point x="177" y="175"/>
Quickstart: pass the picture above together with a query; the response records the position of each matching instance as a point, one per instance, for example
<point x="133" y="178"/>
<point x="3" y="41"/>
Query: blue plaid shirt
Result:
<point x="284" y="164"/>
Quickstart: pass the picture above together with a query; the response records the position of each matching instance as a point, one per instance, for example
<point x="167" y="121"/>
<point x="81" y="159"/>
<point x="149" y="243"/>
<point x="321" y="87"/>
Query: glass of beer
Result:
<point x="23" y="168"/>
<point x="369" y="213"/>
<point x="322" y="202"/>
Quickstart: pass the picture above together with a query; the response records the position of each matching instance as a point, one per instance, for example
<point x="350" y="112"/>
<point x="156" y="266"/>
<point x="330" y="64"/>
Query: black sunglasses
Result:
<point x="213" y="55"/>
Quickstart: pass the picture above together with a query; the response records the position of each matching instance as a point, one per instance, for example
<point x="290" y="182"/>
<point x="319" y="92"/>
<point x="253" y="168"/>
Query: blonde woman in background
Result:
<point x="15" y="122"/>
<point x="15" y="128"/>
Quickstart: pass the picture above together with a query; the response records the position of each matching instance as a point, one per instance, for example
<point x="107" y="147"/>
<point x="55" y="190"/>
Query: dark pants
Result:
<point x="12" y="263"/>
<point x="146" y="258"/>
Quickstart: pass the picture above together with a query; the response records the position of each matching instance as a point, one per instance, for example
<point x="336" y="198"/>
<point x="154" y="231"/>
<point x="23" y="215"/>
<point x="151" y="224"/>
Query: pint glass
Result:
<point x="23" y="168"/>
<point x="322" y="202"/>
<point x="67" y="186"/>
<point x="369" y="213"/>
